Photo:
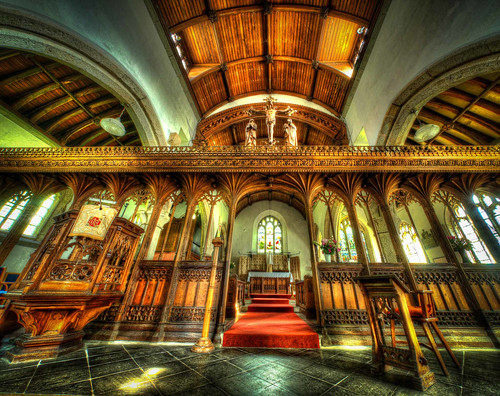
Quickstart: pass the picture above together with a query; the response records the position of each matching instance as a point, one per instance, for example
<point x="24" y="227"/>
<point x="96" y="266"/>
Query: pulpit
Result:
<point x="269" y="282"/>
<point x="385" y="299"/>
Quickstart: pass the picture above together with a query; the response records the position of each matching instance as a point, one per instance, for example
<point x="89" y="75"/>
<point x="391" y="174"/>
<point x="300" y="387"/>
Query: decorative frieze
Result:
<point x="140" y="313"/>
<point x="262" y="158"/>
<point x="189" y="314"/>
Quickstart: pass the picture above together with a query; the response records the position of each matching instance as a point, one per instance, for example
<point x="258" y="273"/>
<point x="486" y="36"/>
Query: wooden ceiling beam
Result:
<point x="37" y="92"/>
<point x="431" y="116"/>
<point x="259" y="8"/>
<point x="72" y="113"/>
<point x="266" y="26"/>
<point x="111" y="138"/>
<point x="463" y="113"/>
<point x="270" y="60"/>
<point x="483" y="83"/>
<point x="27" y="73"/>
<point x="4" y="55"/>
<point x="44" y="109"/>
<point x="22" y="121"/>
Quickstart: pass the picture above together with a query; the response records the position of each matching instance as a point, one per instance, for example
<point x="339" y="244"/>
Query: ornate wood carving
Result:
<point x="452" y="159"/>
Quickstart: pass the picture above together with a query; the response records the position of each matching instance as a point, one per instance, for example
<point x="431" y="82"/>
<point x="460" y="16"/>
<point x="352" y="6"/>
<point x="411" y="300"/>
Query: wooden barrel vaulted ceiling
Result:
<point x="229" y="49"/>
<point x="59" y="103"/>
<point x="468" y="114"/>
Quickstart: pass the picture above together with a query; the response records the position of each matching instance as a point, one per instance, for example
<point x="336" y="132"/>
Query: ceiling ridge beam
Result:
<point x="259" y="8"/>
<point x="266" y="34"/>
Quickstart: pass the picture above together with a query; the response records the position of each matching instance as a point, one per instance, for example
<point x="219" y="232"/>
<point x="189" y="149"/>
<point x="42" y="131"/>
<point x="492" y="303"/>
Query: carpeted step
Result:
<point x="269" y="330"/>
<point x="256" y="295"/>
<point x="270" y="308"/>
<point x="270" y="301"/>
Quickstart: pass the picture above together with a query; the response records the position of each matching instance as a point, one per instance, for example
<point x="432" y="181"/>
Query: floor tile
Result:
<point x="58" y="374"/>
<point x="162" y="363"/>
<point x="303" y="385"/>
<point x="181" y="382"/>
<point x="112" y="368"/>
<point x="361" y="384"/>
<point x="77" y="388"/>
<point x="124" y="382"/>
<point x="219" y="369"/>
<point x="272" y="373"/>
<point x="248" y="362"/>
<point x="326" y="373"/>
<point x="242" y="384"/>
<point x="206" y="390"/>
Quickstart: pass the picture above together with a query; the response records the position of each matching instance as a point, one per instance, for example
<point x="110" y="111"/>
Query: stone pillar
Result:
<point x="367" y="201"/>
<point x="212" y="198"/>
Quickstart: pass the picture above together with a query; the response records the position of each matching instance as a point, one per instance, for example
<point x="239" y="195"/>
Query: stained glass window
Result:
<point x="411" y="243"/>
<point x="489" y="208"/>
<point x="347" y="246"/>
<point x="269" y="235"/>
<point x="39" y="215"/>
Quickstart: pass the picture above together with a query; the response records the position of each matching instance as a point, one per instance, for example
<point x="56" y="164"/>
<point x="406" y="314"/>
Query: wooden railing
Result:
<point x="235" y="296"/>
<point x="305" y="296"/>
<point x="343" y="303"/>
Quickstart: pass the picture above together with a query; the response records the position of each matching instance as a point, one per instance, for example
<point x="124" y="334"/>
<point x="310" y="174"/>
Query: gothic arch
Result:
<point x="462" y="65"/>
<point x="28" y="33"/>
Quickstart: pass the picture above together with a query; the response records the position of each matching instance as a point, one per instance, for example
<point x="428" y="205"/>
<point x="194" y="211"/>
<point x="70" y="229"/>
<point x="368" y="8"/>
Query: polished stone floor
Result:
<point x="167" y="369"/>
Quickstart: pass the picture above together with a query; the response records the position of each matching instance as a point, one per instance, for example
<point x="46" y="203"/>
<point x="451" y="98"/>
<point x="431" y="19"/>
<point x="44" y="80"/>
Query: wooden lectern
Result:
<point x="385" y="298"/>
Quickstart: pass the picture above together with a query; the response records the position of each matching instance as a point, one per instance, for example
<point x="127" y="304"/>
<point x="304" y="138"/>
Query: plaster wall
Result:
<point x="414" y="35"/>
<point x="296" y="239"/>
<point x="12" y="135"/>
<point x="125" y="30"/>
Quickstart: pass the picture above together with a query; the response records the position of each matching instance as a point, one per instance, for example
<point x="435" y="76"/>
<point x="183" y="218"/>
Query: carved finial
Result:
<point x="268" y="8"/>
<point x="223" y="67"/>
<point x="212" y="16"/>
<point x="315" y="64"/>
<point x="269" y="59"/>
<point x="324" y="12"/>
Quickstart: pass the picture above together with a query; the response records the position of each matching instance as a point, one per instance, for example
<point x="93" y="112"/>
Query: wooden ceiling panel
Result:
<point x="200" y="43"/>
<point x="210" y="91"/>
<point x="301" y="30"/>
<point x="331" y="89"/>
<point x="174" y="12"/>
<point x="361" y="8"/>
<point x="241" y="35"/>
<point x="316" y="3"/>
<point x="292" y="76"/>
<point x="343" y="34"/>
<point x="223" y="4"/>
<point x="247" y="77"/>
<point x="55" y="100"/>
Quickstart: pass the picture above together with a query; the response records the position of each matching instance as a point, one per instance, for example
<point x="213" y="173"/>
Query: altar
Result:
<point x="269" y="282"/>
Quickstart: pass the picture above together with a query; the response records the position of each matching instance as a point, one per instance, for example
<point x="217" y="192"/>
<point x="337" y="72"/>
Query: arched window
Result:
<point x="269" y="235"/>
<point x="489" y="207"/>
<point x="463" y="228"/>
<point x="411" y="243"/>
<point x="347" y="246"/>
<point x="13" y="209"/>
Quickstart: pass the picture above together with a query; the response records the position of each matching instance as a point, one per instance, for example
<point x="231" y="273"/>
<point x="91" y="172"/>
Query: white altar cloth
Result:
<point x="253" y="274"/>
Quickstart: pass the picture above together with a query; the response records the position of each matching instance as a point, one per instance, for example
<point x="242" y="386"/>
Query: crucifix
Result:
<point x="270" y="112"/>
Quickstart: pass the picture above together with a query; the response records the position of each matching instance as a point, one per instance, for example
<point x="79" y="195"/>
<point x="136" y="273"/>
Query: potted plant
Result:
<point x="328" y="247"/>
<point x="461" y="245"/>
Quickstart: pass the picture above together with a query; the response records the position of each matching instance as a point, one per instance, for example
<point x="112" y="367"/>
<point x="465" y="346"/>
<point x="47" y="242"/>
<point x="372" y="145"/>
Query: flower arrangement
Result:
<point x="328" y="246"/>
<point x="460" y="243"/>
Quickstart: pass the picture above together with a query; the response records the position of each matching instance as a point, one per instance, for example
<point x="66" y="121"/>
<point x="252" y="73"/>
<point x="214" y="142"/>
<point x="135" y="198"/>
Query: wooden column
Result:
<point x="348" y="185"/>
<point x="177" y="200"/>
<point x="193" y="186"/>
<point x="162" y="188"/>
<point x="212" y="198"/>
<point x="41" y="187"/>
<point x="366" y="199"/>
<point x="204" y="344"/>
<point x="328" y="198"/>
<point x="383" y="185"/>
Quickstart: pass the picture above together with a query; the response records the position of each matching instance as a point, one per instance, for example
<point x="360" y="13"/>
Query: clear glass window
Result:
<point x="413" y="247"/>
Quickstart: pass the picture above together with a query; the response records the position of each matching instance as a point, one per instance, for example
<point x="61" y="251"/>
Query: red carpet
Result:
<point x="270" y="324"/>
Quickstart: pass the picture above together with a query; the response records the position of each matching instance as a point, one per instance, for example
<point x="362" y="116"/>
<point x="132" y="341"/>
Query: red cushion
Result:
<point x="414" y="311"/>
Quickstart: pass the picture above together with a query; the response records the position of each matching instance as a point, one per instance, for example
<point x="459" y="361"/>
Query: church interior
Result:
<point x="243" y="197"/>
